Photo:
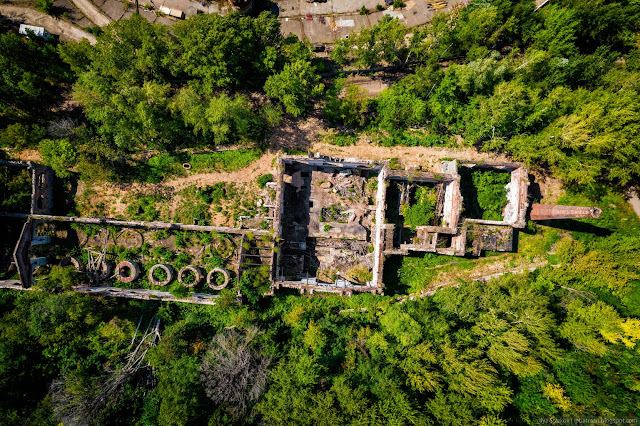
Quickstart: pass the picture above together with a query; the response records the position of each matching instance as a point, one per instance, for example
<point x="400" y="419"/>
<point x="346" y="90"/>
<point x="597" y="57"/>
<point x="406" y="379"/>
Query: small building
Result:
<point x="32" y="29"/>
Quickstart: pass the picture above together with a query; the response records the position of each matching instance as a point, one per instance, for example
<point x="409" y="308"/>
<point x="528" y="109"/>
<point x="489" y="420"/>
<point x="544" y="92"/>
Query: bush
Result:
<point x="44" y="6"/>
<point x="492" y="195"/>
<point x="351" y="109"/>
<point x="59" y="154"/>
<point x="60" y="279"/>
<point x="423" y="211"/>
<point x="264" y="179"/>
<point x="20" y="135"/>
<point x="253" y="285"/>
<point x="143" y="207"/>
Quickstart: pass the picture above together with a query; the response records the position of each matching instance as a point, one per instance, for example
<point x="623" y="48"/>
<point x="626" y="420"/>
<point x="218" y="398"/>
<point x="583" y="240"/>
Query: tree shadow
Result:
<point x="392" y="285"/>
<point x="64" y="195"/>
<point x="292" y="135"/>
<point x="535" y="193"/>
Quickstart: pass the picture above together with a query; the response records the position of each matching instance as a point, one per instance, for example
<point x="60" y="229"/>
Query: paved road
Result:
<point x="65" y="30"/>
<point x="336" y="19"/>
<point x="318" y="22"/>
<point x="92" y="12"/>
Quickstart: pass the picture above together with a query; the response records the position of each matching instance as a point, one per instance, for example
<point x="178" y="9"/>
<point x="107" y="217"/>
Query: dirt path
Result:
<point x="634" y="201"/>
<point x="302" y="136"/>
<point x="65" y="30"/>
<point x="261" y="166"/>
<point x="92" y="12"/>
<point x="307" y="136"/>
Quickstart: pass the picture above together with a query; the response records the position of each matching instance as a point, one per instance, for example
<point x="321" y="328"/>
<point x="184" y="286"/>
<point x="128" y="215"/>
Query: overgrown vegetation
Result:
<point x="422" y="211"/>
<point x="556" y="88"/>
<point x="485" y="195"/>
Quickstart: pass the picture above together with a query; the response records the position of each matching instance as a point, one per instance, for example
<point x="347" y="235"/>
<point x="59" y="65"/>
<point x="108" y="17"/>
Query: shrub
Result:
<point x="59" y="154"/>
<point x="351" y="109"/>
<point x="492" y="195"/>
<point x="44" y="6"/>
<point x="264" y="179"/>
<point x="253" y="285"/>
<point x="423" y="211"/>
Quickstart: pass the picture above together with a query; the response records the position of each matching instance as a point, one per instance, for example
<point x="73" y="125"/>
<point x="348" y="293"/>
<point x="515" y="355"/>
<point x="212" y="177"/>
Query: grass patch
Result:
<point x="166" y="165"/>
<point x="263" y="180"/>
<point x="226" y="161"/>
<point x="413" y="138"/>
<point x="192" y="209"/>
<point x="144" y="207"/>
<point x="617" y="216"/>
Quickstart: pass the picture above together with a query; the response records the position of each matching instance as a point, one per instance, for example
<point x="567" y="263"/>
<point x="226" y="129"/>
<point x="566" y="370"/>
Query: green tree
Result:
<point x="59" y="154"/>
<point x="31" y="78"/>
<point x="227" y="52"/>
<point x="20" y="135"/>
<point x="383" y="44"/>
<point x="349" y="109"/>
<point x="294" y="86"/>
<point x="220" y="119"/>
<point x="60" y="279"/>
<point x="398" y="107"/>
<point x="122" y="85"/>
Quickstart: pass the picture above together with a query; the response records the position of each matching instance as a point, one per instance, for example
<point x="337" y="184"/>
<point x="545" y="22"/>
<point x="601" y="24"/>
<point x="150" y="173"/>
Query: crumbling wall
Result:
<point x="41" y="188"/>
<point x="378" y="249"/>
<point x="515" y="211"/>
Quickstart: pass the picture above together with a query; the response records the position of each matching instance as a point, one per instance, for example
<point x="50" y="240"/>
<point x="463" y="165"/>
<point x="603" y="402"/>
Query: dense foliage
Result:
<point x="422" y="211"/>
<point x="31" y="80"/>
<point x="562" y="341"/>
<point x="557" y="88"/>
<point x="144" y="86"/>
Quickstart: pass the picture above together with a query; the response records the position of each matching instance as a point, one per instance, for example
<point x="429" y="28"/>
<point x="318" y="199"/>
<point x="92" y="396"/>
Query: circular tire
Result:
<point x="73" y="260"/>
<point x="123" y="267"/>
<point x="167" y="268"/>
<point x="196" y="271"/>
<point x="212" y="273"/>
<point x="106" y="269"/>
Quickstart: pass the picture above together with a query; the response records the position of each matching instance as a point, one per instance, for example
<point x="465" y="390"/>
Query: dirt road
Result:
<point x="634" y="201"/>
<point x="92" y="12"/>
<point x="65" y="30"/>
<point x="301" y="135"/>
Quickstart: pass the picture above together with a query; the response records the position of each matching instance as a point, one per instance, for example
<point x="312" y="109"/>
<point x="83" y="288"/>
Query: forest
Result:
<point x="556" y="88"/>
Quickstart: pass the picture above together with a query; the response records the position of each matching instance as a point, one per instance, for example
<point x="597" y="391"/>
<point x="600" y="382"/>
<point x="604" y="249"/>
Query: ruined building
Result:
<point x="334" y="222"/>
<point x="337" y="220"/>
